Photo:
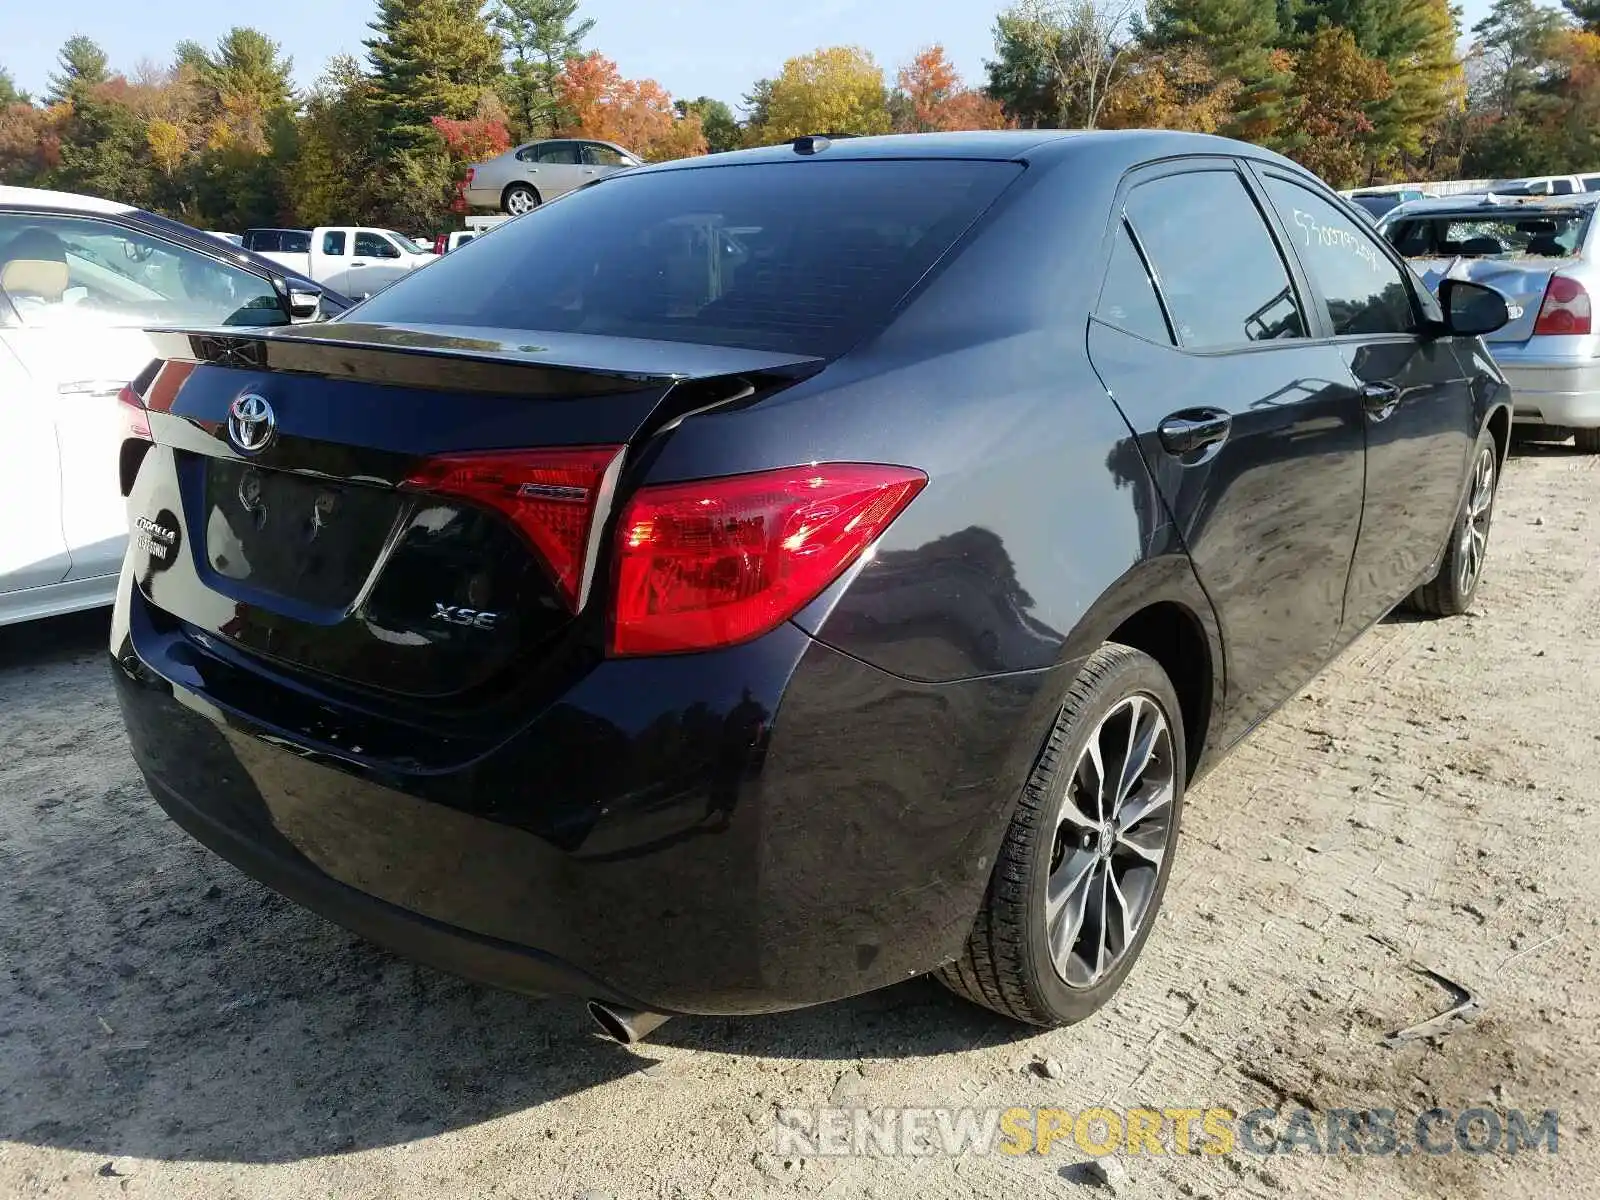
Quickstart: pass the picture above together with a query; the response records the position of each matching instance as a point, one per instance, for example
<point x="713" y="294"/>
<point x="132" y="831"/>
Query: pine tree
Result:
<point x="1240" y="40"/>
<point x="539" y="37"/>
<point x="83" y="66"/>
<point x="430" y="58"/>
<point x="9" y="94"/>
<point x="1585" y="12"/>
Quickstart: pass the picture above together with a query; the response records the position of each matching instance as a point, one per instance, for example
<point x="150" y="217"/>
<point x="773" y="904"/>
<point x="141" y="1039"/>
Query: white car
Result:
<point x="80" y="281"/>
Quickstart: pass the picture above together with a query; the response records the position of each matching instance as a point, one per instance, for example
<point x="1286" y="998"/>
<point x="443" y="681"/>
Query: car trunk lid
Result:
<point x="344" y="542"/>
<point x="1522" y="281"/>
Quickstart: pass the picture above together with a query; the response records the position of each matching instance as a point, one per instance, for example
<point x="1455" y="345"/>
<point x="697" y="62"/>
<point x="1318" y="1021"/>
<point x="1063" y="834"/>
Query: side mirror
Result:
<point x="303" y="306"/>
<point x="1472" y="309"/>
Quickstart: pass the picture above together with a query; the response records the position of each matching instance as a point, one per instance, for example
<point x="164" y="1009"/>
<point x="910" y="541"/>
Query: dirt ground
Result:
<point x="170" y="1029"/>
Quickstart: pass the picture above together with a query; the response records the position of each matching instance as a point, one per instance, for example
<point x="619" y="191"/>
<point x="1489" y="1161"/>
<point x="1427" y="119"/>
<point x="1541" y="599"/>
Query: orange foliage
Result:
<point x="1172" y="90"/>
<point x="938" y="102"/>
<point x="637" y="114"/>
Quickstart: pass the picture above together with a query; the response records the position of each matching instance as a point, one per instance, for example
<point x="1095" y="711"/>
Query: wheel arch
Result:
<point x="1159" y="607"/>
<point x="518" y="183"/>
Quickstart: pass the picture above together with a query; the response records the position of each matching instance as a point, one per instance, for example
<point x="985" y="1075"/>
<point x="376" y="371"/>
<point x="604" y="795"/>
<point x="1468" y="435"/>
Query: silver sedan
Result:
<point x="524" y="177"/>
<point x="1543" y="254"/>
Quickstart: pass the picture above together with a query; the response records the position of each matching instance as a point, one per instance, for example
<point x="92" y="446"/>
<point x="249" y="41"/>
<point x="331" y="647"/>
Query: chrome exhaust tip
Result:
<point x="628" y="1026"/>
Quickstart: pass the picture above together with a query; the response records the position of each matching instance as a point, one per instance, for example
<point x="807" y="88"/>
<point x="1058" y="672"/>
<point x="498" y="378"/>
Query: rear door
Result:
<point x="1248" y="424"/>
<point x="1414" y="395"/>
<point x="81" y="343"/>
<point x="33" y="548"/>
<point x="560" y="169"/>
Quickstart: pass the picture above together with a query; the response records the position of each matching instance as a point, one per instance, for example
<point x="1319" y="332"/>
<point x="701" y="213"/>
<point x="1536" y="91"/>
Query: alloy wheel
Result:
<point x="1112" y="834"/>
<point x="1474" y="533"/>
<point x="520" y="201"/>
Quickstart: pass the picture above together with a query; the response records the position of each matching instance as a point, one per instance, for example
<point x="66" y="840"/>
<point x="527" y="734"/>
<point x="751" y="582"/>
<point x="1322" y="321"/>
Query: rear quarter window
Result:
<point x="804" y="257"/>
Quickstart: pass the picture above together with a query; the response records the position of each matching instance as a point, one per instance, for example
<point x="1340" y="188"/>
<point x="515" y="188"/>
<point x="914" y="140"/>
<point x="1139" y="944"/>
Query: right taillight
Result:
<point x="720" y="561"/>
<point x="1566" y="308"/>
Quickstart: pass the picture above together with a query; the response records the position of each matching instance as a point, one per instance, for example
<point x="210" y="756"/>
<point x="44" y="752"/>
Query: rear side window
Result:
<point x="1221" y="275"/>
<point x="804" y="257"/>
<point x="1128" y="299"/>
<point x="333" y="242"/>
<point x="1364" y="290"/>
<point x="560" y="153"/>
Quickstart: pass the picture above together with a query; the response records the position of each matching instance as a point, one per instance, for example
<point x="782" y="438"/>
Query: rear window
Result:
<point x="1544" y="234"/>
<point x="803" y="257"/>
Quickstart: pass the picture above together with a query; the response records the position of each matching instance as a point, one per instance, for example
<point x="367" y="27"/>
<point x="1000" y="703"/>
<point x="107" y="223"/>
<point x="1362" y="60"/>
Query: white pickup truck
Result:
<point x="352" y="259"/>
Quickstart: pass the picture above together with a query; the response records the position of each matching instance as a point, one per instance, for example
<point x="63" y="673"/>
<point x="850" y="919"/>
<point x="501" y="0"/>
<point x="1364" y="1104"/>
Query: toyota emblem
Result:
<point x="251" y="423"/>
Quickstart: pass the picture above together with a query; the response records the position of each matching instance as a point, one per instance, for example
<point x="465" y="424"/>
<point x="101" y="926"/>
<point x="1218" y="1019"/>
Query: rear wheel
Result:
<point x="1450" y="592"/>
<point x="1086" y="859"/>
<point x="1587" y="440"/>
<point x="519" y="198"/>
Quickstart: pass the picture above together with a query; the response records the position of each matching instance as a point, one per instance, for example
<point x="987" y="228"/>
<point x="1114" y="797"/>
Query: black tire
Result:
<point x="1450" y="592"/>
<point x="1587" y="441"/>
<point x="1007" y="965"/>
<point x="521" y="190"/>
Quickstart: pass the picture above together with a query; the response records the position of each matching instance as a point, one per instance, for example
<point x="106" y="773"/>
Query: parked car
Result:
<point x="1378" y="201"/>
<point x="1537" y="185"/>
<point x="80" y="279"/>
<point x="524" y="177"/>
<point x="1543" y="254"/>
<point x="355" y="260"/>
<point x="741" y="586"/>
<point x="447" y="242"/>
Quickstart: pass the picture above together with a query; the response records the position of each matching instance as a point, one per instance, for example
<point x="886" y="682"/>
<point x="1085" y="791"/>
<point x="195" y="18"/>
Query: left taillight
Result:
<point x="721" y="561"/>
<point x="549" y="495"/>
<point x="135" y="418"/>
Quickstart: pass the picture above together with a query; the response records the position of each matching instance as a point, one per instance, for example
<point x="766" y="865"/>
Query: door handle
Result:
<point x="1194" y="429"/>
<point x="89" y="387"/>
<point x="1379" y="399"/>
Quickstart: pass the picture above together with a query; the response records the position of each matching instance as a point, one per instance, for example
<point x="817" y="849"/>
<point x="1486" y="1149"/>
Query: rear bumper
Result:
<point x="1553" y="392"/>
<point x="768" y="827"/>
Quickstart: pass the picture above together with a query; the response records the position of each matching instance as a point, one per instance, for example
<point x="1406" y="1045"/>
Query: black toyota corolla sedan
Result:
<point x="754" y="580"/>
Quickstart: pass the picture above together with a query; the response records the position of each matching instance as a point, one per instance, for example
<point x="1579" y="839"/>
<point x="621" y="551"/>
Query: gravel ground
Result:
<point x="170" y="1029"/>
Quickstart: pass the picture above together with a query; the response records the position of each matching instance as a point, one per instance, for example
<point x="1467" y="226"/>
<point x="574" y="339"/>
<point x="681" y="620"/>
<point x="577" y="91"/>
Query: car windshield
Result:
<point x="799" y="257"/>
<point x="1545" y="233"/>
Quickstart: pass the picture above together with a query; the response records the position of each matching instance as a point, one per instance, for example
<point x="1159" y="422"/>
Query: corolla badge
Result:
<point x="251" y="423"/>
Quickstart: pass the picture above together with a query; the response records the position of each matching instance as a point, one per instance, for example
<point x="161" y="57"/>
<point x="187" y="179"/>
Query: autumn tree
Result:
<point x="30" y="142"/>
<point x="539" y="37"/>
<point x="1415" y="40"/>
<point x="931" y="97"/>
<point x="1239" y="39"/>
<point x="336" y="162"/>
<point x="638" y="114"/>
<point x="83" y="66"/>
<point x="1514" y="44"/>
<point x="838" y="90"/>
<point x="1175" y="89"/>
<point x="1329" y="129"/>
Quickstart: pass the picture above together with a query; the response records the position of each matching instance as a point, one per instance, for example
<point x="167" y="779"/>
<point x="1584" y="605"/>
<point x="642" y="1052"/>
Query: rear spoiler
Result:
<point x="457" y="358"/>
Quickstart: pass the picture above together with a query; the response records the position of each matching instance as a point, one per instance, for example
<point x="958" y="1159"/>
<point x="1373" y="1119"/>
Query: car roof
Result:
<point x="1015" y="145"/>
<point x="71" y="201"/>
<point x="1479" y="202"/>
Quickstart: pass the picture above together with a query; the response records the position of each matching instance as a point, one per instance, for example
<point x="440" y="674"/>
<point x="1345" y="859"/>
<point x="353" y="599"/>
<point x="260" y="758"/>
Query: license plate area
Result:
<point x="313" y="540"/>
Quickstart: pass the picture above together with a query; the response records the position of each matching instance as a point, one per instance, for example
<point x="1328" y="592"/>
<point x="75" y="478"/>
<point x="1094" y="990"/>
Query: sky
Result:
<point x="692" y="47"/>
